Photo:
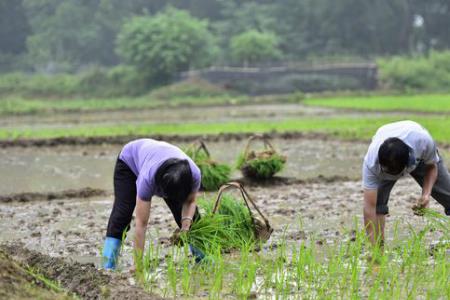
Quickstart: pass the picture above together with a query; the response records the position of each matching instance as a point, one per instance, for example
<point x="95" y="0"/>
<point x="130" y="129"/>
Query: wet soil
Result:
<point x="75" y="227"/>
<point x="120" y="140"/>
<point x="68" y="194"/>
<point x="84" y="280"/>
<point x="17" y="284"/>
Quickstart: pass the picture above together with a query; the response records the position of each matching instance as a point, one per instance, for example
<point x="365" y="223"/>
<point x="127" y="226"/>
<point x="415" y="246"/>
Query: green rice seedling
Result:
<point x="230" y="228"/>
<point x="260" y="165"/>
<point x="185" y="273"/>
<point x="172" y="273"/>
<point x="246" y="272"/>
<point x="214" y="174"/>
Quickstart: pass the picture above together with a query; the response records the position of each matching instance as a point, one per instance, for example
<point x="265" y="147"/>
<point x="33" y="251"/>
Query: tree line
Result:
<point x="166" y="36"/>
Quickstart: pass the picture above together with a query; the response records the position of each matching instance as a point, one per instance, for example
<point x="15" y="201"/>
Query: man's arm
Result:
<point x="428" y="183"/>
<point x="373" y="223"/>
<point x="188" y="211"/>
<point x="142" y="216"/>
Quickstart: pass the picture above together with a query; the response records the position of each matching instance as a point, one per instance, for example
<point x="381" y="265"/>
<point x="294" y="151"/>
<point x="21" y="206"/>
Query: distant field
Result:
<point x="419" y="103"/>
<point x="347" y="128"/>
<point x="38" y="106"/>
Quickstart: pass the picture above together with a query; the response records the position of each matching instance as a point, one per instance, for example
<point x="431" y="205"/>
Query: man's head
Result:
<point x="393" y="156"/>
<point x="174" y="179"/>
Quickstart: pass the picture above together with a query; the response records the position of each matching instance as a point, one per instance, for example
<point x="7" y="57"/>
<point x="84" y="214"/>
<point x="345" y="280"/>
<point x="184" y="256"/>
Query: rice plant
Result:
<point x="214" y="174"/>
<point x="229" y="228"/>
<point x="347" y="268"/>
<point x="260" y="165"/>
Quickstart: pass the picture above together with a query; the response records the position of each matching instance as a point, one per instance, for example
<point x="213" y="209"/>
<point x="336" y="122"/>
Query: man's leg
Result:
<point x="441" y="188"/>
<point x="383" y="194"/>
<point x="121" y="214"/>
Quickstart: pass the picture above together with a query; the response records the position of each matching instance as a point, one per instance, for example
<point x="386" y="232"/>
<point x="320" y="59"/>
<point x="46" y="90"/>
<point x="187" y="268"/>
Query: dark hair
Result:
<point x="393" y="155"/>
<point x="174" y="179"/>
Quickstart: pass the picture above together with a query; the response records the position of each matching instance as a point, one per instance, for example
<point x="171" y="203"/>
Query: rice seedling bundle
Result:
<point x="213" y="173"/>
<point x="227" y="223"/>
<point x="262" y="164"/>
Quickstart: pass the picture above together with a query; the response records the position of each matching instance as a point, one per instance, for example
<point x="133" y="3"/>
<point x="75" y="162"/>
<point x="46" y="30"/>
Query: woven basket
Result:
<point x="261" y="225"/>
<point x="267" y="153"/>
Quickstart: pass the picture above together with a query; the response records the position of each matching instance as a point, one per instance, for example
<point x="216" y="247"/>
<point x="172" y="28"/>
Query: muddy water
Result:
<point x="74" y="167"/>
<point x="64" y="167"/>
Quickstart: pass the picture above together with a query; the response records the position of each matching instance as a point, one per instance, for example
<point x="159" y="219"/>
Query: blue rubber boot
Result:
<point x="198" y="255"/>
<point x="111" y="250"/>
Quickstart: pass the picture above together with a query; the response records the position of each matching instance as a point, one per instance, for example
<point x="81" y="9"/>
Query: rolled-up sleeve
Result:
<point x="430" y="154"/>
<point x="197" y="178"/>
<point x="144" y="188"/>
<point x="370" y="180"/>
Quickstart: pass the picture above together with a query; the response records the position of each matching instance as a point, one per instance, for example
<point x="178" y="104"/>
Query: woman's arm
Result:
<point x="188" y="211"/>
<point x="142" y="216"/>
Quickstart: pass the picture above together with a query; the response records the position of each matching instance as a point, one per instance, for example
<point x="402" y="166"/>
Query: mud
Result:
<point x="120" y="140"/>
<point x="17" y="284"/>
<point x="82" y="279"/>
<point x="75" y="228"/>
<point x="68" y="194"/>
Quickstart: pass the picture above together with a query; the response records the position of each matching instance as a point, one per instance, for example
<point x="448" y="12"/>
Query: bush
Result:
<point x="163" y="45"/>
<point x="430" y="73"/>
<point x="253" y="47"/>
<point x="95" y="82"/>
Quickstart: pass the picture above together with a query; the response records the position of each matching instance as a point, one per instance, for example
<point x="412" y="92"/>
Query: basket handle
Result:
<point x="245" y="196"/>
<point x="254" y="137"/>
<point x="201" y="146"/>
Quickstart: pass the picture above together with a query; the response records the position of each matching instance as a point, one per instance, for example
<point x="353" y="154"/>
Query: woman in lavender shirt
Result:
<point x="147" y="168"/>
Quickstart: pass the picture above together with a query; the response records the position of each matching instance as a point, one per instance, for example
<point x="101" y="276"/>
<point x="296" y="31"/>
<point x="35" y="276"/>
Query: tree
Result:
<point x="160" y="46"/>
<point x="14" y="27"/>
<point x="253" y="47"/>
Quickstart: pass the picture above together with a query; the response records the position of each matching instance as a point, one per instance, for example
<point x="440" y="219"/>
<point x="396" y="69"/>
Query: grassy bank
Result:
<point x="416" y="103"/>
<point x="346" y="128"/>
<point x="13" y="106"/>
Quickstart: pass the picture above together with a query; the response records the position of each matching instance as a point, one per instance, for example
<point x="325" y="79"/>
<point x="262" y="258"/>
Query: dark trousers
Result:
<point x="440" y="191"/>
<point x="125" y="201"/>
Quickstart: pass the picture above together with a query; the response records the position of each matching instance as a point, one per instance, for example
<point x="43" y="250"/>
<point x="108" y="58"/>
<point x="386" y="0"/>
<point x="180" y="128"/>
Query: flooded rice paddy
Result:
<point x="321" y="211"/>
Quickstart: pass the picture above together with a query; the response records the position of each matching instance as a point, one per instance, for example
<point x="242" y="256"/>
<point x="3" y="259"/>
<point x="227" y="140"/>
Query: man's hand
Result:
<point x="422" y="203"/>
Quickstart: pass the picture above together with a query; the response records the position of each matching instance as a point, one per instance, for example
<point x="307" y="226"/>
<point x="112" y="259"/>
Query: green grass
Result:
<point x="17" y="105"/>
<point x="418" y="103"/>
<point x="346" y="128"/>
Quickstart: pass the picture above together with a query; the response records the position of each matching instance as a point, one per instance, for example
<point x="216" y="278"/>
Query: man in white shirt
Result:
<point x="398" y="149"/>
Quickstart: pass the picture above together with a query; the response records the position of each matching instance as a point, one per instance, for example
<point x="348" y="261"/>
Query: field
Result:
<point x="56" y="197"/>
